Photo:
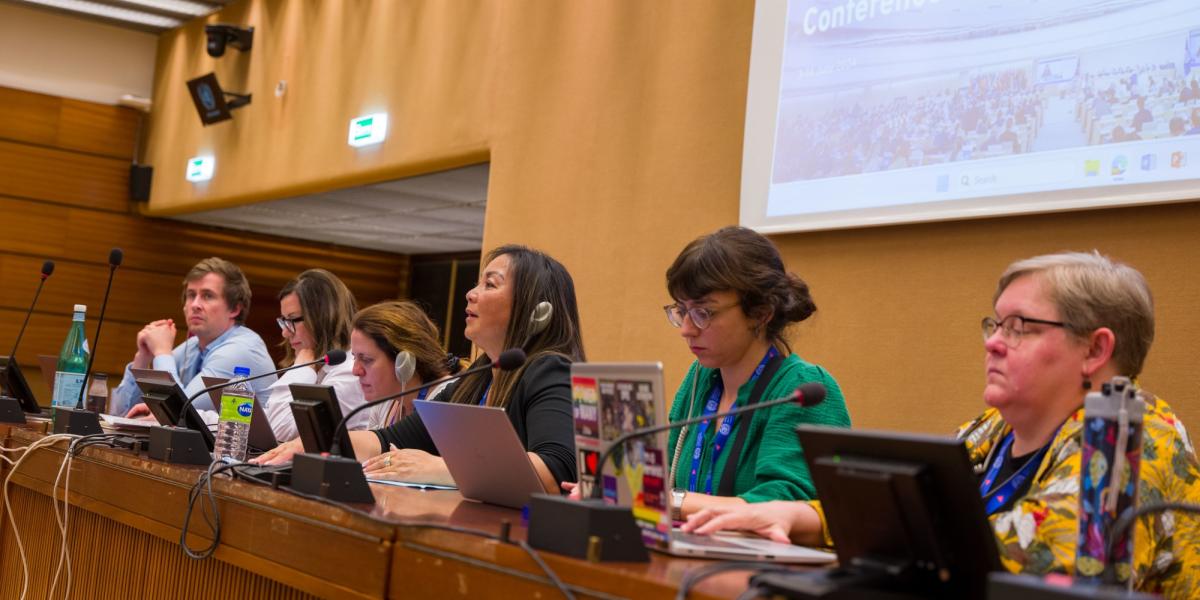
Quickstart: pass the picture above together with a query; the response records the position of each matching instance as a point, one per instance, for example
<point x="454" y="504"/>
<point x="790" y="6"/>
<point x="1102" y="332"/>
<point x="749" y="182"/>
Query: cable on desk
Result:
<point x="49" y="440"/>
<point x="699" y="574"/>
<point x="78" y="443"/>
<point x="202" y="486"/>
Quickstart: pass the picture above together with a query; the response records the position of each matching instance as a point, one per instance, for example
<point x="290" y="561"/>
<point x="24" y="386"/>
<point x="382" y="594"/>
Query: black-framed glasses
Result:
<point x="1013" y="328"/>
<point x="289" y="323"/>
<point x="700" y="316"/>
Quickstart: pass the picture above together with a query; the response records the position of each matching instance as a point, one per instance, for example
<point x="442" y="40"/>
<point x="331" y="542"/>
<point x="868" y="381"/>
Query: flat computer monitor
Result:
<point x="904" y="511"/>
<point x="14" y="385"/>
<point x="317" y="413"/>
<point x="209" y="99"/>
<point x="165" y="401"/>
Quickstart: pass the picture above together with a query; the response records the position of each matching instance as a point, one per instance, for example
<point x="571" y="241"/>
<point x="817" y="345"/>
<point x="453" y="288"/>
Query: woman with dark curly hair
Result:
<point x="733" y="302"/>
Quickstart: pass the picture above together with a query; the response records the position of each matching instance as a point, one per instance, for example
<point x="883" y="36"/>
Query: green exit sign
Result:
<point x="367" y="129"/>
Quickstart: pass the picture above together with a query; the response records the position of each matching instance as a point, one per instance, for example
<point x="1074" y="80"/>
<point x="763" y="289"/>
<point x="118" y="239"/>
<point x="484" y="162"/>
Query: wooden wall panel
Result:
<point x="62" y="176"/>
<point x="63" y="196"/>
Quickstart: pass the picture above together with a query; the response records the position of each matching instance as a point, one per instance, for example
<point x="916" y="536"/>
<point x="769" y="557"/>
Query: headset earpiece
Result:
<point x="405" y="365"/>
<point x="540" y="319"/>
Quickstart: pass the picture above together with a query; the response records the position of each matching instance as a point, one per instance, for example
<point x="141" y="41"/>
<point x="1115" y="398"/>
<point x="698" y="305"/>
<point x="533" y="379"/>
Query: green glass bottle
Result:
<point x="72" y="362"/>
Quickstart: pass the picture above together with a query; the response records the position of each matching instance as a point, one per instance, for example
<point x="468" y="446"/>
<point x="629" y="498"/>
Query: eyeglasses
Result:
<point x="289" y="323"/>
<point x="1013" y="328"/>
<point x="700" y="316"/>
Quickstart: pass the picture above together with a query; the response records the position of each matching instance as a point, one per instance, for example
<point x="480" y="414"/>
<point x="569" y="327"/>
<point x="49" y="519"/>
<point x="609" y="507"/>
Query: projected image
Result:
<point x="889" y="102"/>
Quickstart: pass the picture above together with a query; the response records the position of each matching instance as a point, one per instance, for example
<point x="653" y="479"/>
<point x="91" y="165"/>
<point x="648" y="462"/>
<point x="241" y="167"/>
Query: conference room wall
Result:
<point x="64" y="170"/>
<point x="614" y="131"/>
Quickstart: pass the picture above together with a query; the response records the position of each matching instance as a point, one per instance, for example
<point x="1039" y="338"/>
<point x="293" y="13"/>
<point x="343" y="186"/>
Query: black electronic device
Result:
<point x="905" y="515"/>
<point x="317" y="413"/>
<point x="212" y="103"/>
<point x="16" y="398"/>
<point x="191" y="444"/>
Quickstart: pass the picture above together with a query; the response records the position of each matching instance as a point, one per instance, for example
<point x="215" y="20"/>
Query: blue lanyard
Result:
<point x="996" y="498"/>
<point x="486" y="389"/>
<point x="724" y="429"/>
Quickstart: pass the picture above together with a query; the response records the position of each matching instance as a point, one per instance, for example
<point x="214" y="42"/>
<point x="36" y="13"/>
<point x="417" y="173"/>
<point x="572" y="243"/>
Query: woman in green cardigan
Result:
<point x="733" y="303"/>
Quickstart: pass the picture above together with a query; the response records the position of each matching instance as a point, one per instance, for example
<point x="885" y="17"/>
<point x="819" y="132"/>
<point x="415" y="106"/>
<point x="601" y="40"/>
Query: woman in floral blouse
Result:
<point x="1063" y="322"/>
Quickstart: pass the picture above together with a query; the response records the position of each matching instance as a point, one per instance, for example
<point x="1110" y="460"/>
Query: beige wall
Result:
<point x="65" y="56"/>
<point x="614" y="130"/>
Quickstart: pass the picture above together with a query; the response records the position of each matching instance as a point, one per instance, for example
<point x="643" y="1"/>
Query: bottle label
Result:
<point x="238" y="409"/>
<point x="66" y="388"/>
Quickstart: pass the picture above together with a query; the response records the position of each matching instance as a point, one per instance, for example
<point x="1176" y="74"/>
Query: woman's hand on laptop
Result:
<point x="776" y="520"/>
<point x="412" y="466"/>
<point x="573" y="490"/>
<point x="281" y="454"/>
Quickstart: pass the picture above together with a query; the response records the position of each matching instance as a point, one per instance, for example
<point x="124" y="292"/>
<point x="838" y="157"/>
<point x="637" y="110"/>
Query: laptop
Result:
<point x="611" y="399"/>
<point x="482" y="451"/>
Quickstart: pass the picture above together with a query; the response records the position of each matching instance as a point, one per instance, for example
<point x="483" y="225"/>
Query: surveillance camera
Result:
<point x="220" y="35"/>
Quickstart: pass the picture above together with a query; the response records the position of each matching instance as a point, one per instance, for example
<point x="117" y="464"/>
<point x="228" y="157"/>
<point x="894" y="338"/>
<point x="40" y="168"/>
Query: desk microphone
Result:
<point x="336" y="477"/>
<point x="79" y="420"/>
<point x="179" y="444"/>
<point x="11" y="410"/>
<point x="607" y="532"/>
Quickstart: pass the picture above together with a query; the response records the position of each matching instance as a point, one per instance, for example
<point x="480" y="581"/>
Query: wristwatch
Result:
<point x="677" y="496"/>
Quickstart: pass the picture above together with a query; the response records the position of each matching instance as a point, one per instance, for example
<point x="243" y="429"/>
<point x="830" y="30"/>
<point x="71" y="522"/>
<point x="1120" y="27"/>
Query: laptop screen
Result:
<point x="611" y="399"/>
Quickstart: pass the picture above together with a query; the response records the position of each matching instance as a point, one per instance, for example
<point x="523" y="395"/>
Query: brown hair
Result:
<point x="401" y="325"/>
<point x="236" y="289"/>
<point x="536" y="278"/>
<point x="740" y="260"/>
<point x="327" y="306"/>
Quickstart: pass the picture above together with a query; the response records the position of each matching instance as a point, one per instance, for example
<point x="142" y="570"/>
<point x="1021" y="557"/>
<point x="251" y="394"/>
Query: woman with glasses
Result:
<point x="733" y="303"/>
<point x="1064" y="324"/>
<point x="315" y="312"/>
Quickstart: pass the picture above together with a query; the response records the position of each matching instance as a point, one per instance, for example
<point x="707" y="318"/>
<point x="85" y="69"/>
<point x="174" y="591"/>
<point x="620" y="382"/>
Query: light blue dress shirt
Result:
<point x="237" y="347"/>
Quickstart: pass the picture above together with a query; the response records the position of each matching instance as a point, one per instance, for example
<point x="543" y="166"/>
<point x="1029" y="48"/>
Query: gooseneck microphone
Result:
<point x="12" y="382"/>
<point x="809" y="394"/>
<point x="47" y="270"/>
<point x="509" y="360"/>
<point x="115" y="257"/>
<point x="334" y="357"/>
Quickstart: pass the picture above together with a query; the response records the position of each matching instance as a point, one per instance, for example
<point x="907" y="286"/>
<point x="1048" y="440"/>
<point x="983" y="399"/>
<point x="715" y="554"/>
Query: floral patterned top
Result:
<point x="1038" y="535"/>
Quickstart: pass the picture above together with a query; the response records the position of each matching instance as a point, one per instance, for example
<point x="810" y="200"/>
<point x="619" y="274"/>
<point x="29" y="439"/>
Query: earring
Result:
<point x="1087" y="382"/>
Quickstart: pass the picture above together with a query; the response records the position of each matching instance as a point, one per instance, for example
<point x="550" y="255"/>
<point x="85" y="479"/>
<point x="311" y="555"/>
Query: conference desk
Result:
<point x="127" y="512"/>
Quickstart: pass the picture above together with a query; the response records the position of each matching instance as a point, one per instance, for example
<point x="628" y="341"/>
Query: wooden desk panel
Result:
<point x="127" y="512"/>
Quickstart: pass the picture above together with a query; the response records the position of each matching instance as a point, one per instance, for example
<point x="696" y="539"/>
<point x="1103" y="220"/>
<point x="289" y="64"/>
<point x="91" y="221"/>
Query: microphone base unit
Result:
<point x="334" y="478"/>
<point x="11" y="411"/>
<point x="588" y="529"/>
<point x="76" y="421"/>
<point x="178" y="445"/>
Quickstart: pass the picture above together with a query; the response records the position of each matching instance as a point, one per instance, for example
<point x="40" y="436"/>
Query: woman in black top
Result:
<point x="506" y="309"/>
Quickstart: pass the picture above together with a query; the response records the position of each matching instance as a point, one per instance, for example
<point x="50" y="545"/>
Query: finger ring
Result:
<point x="387" y="461"/>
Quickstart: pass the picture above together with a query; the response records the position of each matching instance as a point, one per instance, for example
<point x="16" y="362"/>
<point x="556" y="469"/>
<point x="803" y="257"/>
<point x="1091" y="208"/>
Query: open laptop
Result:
<point x="611" y="399"/>
<point x="482" y="451"/>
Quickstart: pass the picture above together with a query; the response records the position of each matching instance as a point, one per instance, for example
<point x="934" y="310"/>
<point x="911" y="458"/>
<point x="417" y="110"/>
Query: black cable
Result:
<point x="1132" y="514"/>
<point x="203" y="485"/>
<point x="699" y="574"/>
<point x="751" y="592"/>
<point x="558" y="583"/>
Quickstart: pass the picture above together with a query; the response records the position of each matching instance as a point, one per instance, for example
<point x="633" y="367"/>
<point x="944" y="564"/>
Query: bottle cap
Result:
<point x="80" y="308"/>
<point x="241" y="371"/>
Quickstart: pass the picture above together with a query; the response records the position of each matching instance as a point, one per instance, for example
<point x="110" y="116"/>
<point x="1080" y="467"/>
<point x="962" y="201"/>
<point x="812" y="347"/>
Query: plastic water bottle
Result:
<point x="72" y="362"/>
<point x="233" y="427"/>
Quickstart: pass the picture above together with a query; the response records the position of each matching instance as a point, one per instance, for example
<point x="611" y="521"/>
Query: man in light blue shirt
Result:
<point x="216" y="300"/>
